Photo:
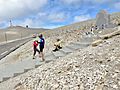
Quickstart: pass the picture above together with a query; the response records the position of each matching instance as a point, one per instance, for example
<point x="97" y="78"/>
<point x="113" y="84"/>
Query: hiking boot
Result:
<point x="33" y="57"/>
<point x="55" y="50"/>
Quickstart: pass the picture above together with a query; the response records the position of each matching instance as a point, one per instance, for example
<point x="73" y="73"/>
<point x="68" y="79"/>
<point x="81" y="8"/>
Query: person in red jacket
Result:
<point x="35" y="44"/>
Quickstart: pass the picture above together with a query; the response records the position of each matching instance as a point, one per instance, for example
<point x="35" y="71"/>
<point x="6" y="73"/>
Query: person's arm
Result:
<point x="38" y="42"/>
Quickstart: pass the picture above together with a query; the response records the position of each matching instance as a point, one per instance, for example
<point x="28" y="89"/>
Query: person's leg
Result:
<point x="56" y="48"/>
<point x="42" y="54"/>
<point x="34" y="53"/>
<point x="38" y="51"/>
<point x="59" y="47"/>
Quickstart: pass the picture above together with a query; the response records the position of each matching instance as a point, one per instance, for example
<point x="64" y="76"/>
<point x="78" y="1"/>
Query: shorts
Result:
<point x="41" y="48"/>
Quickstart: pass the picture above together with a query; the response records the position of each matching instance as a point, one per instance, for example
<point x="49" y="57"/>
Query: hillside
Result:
<point x="93" y="67"/>
<point x="18" y="32"/>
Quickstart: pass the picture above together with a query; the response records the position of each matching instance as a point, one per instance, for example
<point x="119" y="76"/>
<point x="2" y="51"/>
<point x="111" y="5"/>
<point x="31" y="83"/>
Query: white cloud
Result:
<point x="117" y="5"/>
<point x="98" y="1"/>
<point x="16" y="8"/>
<point x="81" y="18"/>
<point x="42" y="19"/>
<point x="78" y="2"/>
<point x="28" y="22"/>
<point x="51" y="17"/>
<point x="37" y="24"/>
<point x="57" y="17"/>
<point x="71" y="1"/>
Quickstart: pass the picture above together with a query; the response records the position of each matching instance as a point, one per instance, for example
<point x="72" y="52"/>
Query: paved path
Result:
<point x="5" y="49"/>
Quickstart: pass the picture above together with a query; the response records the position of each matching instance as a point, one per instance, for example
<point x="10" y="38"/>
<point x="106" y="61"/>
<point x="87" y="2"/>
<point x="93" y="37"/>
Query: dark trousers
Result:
<point x="36" y="50"/>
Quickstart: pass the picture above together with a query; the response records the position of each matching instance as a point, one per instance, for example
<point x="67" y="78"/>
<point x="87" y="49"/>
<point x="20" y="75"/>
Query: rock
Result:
<point x="115" y="86"/>
<point x="99" y="87"/>
<point x="82" y="87"/>
<point x="97" y="42"/>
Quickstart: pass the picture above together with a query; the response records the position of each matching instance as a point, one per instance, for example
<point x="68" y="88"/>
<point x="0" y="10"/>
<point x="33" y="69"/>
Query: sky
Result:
<point x="52" y="13"/>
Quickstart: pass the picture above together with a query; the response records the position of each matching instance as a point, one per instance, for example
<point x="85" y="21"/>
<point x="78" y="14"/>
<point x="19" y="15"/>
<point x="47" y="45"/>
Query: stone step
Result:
<point x="6" y="73"/>
<point x="23" y="66"/>
<point x="59" y="54"/>
<point x="89" y="39"/>
<point x="38" y="62"/>
<point x="19" y="67"/>
<point x="66" y="50"/>
<point x="16" y="69"/>
<point x="28" y="64"/>
<point x="81" y="45"/>
<point x="73" y="47"/>
<point x="50" y="56"/>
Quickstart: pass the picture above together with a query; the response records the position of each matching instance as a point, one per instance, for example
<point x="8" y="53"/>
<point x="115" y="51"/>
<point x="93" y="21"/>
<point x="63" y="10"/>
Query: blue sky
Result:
<point x="52" y="13"/>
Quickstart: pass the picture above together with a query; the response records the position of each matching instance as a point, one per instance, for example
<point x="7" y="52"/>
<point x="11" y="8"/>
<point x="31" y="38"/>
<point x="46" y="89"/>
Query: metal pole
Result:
<point x="5" y="37"/>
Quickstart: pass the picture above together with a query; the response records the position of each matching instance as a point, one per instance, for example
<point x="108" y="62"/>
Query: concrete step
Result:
<point x="66" y="50"/>
<point x="6" y="73"/>
<point x="20" y="67"/>
<point x="23" y="66"/>
<point x="37" y="62"/>
<point x="73" y="47"/>
<point x="15" y="69"/>
<point x="29" y="63"/>
<point x="59" y="54"/>
<point x="80" y="45"/>
<point x="50" y="56"/>
<point x="89" y="39"/>
<point x="86" y="40"/>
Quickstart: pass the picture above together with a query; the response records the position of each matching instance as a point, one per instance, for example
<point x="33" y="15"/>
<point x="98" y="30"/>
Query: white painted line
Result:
<point x="4" y="52"/>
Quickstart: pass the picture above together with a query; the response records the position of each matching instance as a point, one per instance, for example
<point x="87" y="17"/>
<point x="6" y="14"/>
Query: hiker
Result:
<point x="103" y="26"/>
<point x="35" y="44"/>
<point x="57" y="45"/>
<point x="92" y="29"/>
<point x="96" y="27"/>
<point x="87" y="33"/>
<point x="41" y="46"/>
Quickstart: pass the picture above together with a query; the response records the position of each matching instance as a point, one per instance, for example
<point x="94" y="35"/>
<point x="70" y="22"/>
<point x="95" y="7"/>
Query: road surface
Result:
<point x="7" y="48"/>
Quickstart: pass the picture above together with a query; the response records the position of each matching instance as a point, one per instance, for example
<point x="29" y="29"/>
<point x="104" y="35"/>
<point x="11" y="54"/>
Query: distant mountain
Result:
<point x="18" y="32"/>
<point x="25" y="28"/>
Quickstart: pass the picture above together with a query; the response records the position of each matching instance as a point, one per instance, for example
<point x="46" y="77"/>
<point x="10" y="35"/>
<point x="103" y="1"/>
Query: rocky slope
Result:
<point x="92" y="68"/>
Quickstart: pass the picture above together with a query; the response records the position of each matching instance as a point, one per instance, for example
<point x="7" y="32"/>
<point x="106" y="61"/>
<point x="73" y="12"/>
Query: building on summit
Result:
<point x="103" y="20"/>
